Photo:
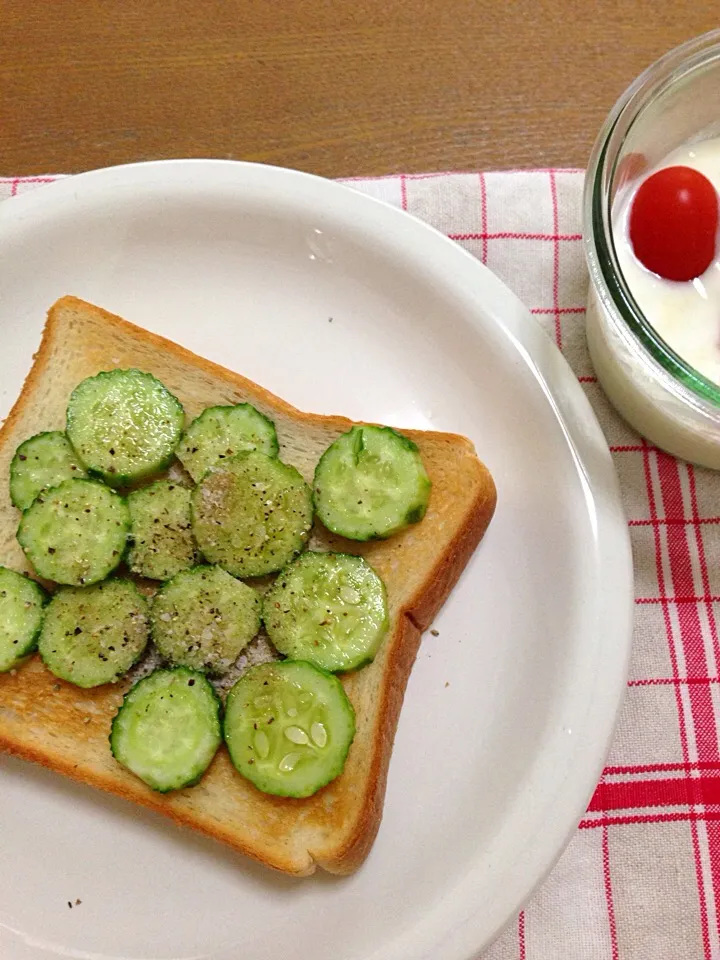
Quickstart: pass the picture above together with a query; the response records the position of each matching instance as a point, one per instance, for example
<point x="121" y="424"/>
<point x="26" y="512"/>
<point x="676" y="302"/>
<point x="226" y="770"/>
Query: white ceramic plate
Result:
<point x="509" y="710"/>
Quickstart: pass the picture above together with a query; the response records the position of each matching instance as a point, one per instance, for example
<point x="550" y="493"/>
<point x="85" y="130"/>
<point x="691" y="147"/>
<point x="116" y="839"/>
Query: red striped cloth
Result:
<point x="641" y="877"/>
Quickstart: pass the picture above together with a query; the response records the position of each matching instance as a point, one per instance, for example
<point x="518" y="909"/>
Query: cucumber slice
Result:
<point x="93" y="635"/>
<point x="161" y="540"/>
<point x="203" y="618"/>
<point x="328" y="608"/>
<point x="288" y="727"/>
<point x="43" y="461"/>
<point x="124" y="424"/>
<point x="168" y="729"/>
<point x="221" y="432"/>
<point x="252" y="515"/>
<point x="75" y="533"/>
<point x="370" y="483"/>
<point x="21" y="615"/>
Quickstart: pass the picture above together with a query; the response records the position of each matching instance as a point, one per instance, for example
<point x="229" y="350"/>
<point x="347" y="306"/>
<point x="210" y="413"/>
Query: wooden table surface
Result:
<point x="330" y="86"/>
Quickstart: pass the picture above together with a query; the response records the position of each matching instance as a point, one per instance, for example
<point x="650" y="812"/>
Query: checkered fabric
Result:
<point x="640" y="880"/>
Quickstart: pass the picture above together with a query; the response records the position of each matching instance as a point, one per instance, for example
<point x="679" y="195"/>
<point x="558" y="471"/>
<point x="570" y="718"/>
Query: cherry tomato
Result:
<point x="673" y="223"/>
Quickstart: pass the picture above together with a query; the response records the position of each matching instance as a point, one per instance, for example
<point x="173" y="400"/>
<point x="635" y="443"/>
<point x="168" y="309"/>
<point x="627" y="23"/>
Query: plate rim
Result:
<point x="573" y="412"/>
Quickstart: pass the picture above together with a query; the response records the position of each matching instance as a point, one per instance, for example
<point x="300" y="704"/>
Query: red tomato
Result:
<point x="673" y="223"/>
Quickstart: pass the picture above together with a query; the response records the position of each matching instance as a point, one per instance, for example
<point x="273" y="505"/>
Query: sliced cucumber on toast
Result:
<point x="124" y="425"/>
<point x="288" y="727"/>
<point x="93" y="635"/>
<point x="328" y="608"/>
<point x="289" y="724"/>
<point x="203" y="618"/>
<point x="75" y="533"/>
<point x="370" y="483"/>
<point x="22" y="604"/>
<point x="252" y="515"/>
<point x="41" y="462"/>
<point x="220" y="432"/>
<point x="167" y="730"/>
<point x="161" y="539"/>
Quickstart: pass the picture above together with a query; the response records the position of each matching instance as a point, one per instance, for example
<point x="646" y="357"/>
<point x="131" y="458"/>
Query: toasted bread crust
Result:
<point x="65" y="729"/>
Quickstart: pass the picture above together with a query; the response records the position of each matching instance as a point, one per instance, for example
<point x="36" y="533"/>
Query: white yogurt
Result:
<point x="686" y="315"/>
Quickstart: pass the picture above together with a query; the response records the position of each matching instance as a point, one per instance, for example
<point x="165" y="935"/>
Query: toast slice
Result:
<point x="66" y="728"/>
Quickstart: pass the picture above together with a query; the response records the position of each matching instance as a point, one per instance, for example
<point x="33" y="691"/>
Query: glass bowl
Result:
<point x="675" y="102"/>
